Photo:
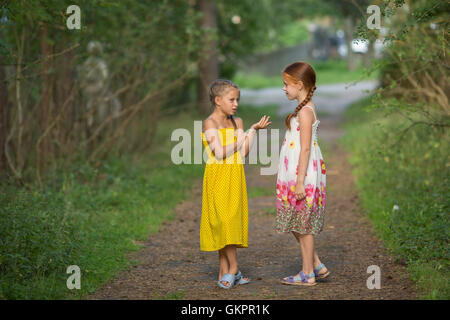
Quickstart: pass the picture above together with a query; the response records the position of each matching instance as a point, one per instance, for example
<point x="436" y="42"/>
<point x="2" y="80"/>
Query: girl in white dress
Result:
<point x="301" y="180"/>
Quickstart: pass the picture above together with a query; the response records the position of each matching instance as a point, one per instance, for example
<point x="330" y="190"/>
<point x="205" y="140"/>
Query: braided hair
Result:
<point x="305" y="101"/>
<point x="300" y="71"/>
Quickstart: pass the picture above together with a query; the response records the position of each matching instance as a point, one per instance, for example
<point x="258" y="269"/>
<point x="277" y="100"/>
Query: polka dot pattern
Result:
<point x="224" y="218"/>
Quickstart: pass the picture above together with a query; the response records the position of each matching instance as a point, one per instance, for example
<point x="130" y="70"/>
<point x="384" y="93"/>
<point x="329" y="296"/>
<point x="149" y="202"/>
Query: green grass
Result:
<point x="326" y="73"/>
<point x="271" y="211"/>
<point x="413" y="175"/>
<point x="178" y="295"/>
<point x="92" y="221"/>
<point x="255" y="192"/>
<point x="93" y="216"/>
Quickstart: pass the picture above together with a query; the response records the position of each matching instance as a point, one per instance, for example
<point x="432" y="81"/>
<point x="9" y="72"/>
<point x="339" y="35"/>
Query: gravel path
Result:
<point x="173" y="265"/>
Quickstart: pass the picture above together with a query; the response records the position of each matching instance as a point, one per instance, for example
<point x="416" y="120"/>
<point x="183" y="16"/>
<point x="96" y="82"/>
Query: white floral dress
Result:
<point x="303" y="216"/>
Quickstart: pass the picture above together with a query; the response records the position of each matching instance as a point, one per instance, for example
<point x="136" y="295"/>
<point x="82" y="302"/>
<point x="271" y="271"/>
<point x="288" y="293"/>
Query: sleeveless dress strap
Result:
<point x="312" y="111"/>
<point x="217" y="124"/>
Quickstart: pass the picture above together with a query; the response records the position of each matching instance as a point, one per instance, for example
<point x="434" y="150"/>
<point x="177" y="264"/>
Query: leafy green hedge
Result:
<point x="91" y="220"/>
<point x="403" y="181"/>
<point x="91" y="217"/>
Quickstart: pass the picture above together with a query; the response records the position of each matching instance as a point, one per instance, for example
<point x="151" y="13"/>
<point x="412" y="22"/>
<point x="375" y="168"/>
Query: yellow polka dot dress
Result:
<point x="224" y="200"/>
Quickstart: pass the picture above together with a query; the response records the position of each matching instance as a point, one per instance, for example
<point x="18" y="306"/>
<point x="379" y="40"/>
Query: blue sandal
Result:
<point x="321" y="276"/>
<point x="239" y="279"/>
<point x="300" y="280"/>
<point x="227" y="277"/>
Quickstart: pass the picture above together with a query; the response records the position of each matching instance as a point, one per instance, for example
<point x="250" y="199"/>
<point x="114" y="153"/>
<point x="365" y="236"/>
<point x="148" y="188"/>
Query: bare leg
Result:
<point x="307" y="248"/>
<point x="317" y="261"/>
<point x="228" y="263"/>
<point x="230" y="254"/>
<point x="306" y="242"/>
<point x="223" y="263"/>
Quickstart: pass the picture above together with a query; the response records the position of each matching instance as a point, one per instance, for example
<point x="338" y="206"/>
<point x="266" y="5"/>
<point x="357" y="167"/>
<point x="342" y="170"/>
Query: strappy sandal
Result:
<point x="227" y="277"/>
<point x="318" y="275"/>
<point x="239" y="279"/>
<point x="300" y="280"/>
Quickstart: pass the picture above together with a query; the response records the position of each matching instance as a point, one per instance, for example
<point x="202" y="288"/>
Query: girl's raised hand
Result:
<point x="262" y="124"/>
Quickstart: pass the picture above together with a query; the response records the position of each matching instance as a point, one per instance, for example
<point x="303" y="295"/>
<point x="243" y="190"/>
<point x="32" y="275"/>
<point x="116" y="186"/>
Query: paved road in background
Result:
<point x="330" y="98"/>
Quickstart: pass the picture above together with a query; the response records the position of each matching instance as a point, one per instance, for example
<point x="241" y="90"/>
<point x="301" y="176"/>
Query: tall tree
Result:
<point x="4" y="104"/>
<point x="208" y="66"/>
<point x="4" y="118"/>
<point x="46" y="95"/>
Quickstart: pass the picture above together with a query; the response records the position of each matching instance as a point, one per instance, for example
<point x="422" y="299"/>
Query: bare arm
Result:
<point x="249" y="137"/>
<point x="306" y="121"/>
<point x="212" y="137"/>
<point x="250" y="134"/>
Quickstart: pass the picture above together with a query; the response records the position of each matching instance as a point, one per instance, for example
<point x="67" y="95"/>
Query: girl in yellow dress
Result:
<point x="224" y="222"/>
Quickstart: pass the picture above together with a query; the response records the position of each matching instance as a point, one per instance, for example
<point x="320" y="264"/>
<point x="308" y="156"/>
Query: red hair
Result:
<point x="294" y="73"/>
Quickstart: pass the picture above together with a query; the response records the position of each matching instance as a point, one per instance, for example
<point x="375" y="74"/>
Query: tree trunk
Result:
<point x="370" y="54"/>
<point x="63" y="82"/>
<point x="351" y="56"/>
<point x="208" y="66"/>
<point x="46" y="84"/>
<point x="4" y="119"/>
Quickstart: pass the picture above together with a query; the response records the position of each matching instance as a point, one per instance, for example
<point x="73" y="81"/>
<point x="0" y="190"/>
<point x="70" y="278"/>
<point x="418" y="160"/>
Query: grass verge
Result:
<point x="403" y="187"/>
<point x="92" y="216"/>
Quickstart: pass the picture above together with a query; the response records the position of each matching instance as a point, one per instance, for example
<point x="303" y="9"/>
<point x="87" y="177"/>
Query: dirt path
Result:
<point x="171" y="262"/>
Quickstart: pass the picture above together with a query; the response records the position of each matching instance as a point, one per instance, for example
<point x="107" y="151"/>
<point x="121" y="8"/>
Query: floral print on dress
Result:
<point x="323" y="191"/>
<point x="286" y="195"/>
<point x="304" y="216"/>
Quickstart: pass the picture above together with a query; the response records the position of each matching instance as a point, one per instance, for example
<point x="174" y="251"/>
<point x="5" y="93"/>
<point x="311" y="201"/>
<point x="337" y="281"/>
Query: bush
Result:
<point x="404" y="186"/>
